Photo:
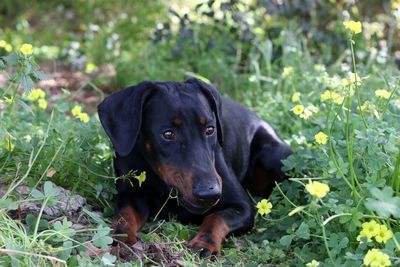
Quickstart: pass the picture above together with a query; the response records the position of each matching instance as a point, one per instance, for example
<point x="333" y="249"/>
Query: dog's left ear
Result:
<point x="121" y="115"/>
<point x="214" y="98"/>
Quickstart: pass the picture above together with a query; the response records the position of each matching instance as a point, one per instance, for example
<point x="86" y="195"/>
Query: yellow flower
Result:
<point x="36" y="94"/>
<point x="321" y="138"/>
<point x="371" y="256"/>
<point x="28" y="138"/>
<point x="295" y="97"/>
<point x="325" y="95"/>
<point x="367" y="106"/>
<point x="264" y="207"/>
<point x="298" y="109"/>
<point x="8" y="48"/>
<point x="345" y="82"/>
<point x="353" y="26"/>
<point x="26" y="49"/>
<point x="383" y="234"/>
<point x="354" y="78"/>
<point x="313" y="263"/>
<point x="141" y="178"/>
<point x="308" y="112"/>
<point x="319" y="67"/>
<point x="336" y="98"/>
<point x="382" y="93"/>
<point x="317" y="189"/>
<point x="370" y="229"/>
<point x="42" y="103"/>
<point x="376" y="258"/>
<point x="76" y="110"/>
<point x="363" y="233"/>
<point x="84" y="117"/>
<point x="90" y="67"/>
<point x="287" y="71"/>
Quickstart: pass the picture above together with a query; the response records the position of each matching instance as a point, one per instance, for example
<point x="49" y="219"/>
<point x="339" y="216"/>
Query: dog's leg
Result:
<point x="238" y="218"/>
<point x="235" y="214"/>
<point x="210" y="236"/>
<point x="132" y="213"/>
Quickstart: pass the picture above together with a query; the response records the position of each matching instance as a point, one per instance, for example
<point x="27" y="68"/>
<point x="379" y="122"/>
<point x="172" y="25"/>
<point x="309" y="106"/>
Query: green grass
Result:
<point x="360" y="162"/>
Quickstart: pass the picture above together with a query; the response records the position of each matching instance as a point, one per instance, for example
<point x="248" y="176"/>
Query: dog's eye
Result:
<point x="168" y="135"/>
<point x="210" y="130"/>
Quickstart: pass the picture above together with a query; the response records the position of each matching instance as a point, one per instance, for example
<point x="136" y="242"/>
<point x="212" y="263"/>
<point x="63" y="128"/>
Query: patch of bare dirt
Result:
<point x="153" y="251"/>
<point x="84" y="87"/>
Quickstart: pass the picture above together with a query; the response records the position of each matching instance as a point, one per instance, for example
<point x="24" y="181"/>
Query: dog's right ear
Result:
<point x="121" y="115"/>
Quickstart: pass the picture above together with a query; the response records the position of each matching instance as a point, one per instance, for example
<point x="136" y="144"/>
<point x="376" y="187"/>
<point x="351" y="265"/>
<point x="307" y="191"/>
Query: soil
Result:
<point x="81" y="85"/>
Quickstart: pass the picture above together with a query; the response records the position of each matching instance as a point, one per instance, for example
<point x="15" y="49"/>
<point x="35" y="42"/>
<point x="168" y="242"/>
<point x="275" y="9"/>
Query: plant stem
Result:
<point x="326" y="243"/>
<point x="38" y="219"/>
<point x="356" y="83"/>
<point x="396" y="175"/>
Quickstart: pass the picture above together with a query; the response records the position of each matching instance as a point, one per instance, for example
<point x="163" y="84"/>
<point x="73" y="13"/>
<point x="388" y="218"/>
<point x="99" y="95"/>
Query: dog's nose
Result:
<point x="207" y="193"/>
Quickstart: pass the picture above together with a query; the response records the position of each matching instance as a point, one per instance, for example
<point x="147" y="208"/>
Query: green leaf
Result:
<point x="26" y="107"/>
<point x="11" y="59"/>
<point x="38" y="75"/>
<point x="286" y="240"/>
<point x="2" y="65"/>
<point x="73" y="261"/>
<point x="58" y="226"/>
<point x="384" y="203"/>
<point x="344" y="242"/>
<point x="8" y="204"/>
<point x="50" y="190"/>
<point x="37" y="194"/>
<point x="101" y="239"/>
<point x="26" y="83"/>
<point x="31" y="222"/>
<point x="94" y="216"/>
<point x="303" y="231"/>
<point x="66" y="253"/>
<point x="64" y="228"/>
<point x="108" y="259"/>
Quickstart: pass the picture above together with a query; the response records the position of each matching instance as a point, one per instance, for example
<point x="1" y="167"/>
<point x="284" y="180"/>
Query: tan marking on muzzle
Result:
<point x="181" y="179"/>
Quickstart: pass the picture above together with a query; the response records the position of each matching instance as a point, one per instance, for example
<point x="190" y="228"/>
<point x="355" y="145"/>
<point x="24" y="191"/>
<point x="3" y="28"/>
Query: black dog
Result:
<point x="184" y="135"/>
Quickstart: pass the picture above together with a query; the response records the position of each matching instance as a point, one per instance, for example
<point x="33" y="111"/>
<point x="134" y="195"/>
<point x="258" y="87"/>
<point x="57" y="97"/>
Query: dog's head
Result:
<point x="176" y="127"/>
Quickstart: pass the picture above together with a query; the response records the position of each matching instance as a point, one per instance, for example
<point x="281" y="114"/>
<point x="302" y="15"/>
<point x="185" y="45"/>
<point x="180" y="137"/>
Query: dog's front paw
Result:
<point x="123" y="232"/>
<point x="205" y="246"/>
<point x="126" y="225"/>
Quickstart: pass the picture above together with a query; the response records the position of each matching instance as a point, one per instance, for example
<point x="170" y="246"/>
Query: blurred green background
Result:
<point x="227" y="41"/>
